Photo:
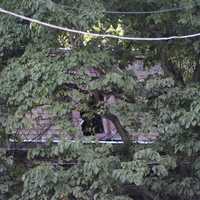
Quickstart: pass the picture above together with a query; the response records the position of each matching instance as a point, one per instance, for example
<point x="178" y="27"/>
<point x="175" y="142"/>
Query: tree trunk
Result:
<point x="121" y="130"/>
<point x="196" y="74"/>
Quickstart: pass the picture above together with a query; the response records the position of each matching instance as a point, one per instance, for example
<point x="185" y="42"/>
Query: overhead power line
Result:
<point x="149" y="12"/>
<point x="166" y="10"/>
<point x="96" y="34"/>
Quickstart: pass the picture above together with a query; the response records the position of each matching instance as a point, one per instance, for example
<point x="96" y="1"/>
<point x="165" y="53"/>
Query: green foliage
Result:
<point x="178" y="125"/>
<point x="35" y="71"/>
<point x="90" y="175"/>
<point x="6" y="181"/>
<point x="92" y="172"/>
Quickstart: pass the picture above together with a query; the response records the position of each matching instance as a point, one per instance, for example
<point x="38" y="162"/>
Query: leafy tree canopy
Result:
<point x="38" y="64"/>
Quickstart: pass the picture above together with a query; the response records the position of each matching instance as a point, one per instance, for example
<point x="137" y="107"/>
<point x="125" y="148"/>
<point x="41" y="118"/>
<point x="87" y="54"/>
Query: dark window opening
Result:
<point x="92" y="126"/>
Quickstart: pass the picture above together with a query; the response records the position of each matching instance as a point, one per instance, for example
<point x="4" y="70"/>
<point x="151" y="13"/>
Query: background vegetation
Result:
<point x="33" y="74"/>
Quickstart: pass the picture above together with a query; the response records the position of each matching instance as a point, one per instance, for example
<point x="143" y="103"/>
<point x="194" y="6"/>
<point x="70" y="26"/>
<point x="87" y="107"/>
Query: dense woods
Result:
<point x="40" y="66"/>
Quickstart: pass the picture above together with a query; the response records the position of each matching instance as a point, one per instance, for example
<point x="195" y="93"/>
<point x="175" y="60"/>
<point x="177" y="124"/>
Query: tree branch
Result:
<point x="196" y="73"/>
<point x="120" y="129"/>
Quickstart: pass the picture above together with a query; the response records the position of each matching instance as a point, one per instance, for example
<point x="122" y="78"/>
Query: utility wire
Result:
<point x="96" y="34"/>
<point x="150" y="12"/>
<point x="182" y="8"/>
<point x="142" y="12"/>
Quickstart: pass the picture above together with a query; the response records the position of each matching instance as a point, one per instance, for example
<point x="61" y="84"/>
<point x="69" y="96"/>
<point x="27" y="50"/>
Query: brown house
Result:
<point x="43" y="126"/>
